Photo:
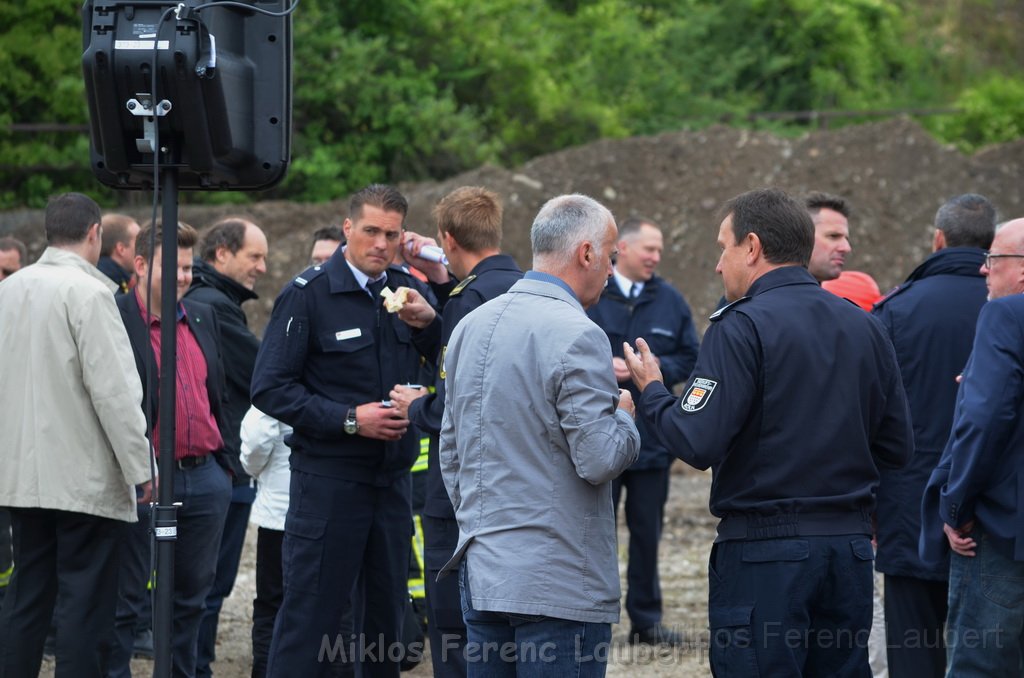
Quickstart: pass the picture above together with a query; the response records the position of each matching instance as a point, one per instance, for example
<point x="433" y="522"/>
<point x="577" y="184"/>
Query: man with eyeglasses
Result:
<point x="976" y="493"/>
<point x="930" y="320"/>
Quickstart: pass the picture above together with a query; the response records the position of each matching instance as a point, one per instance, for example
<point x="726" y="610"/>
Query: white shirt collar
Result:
<point x="625" y="284"/>
<point x="362" y="278"/>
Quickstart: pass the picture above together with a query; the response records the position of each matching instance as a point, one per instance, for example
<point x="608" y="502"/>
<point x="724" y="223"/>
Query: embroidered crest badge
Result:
<point x="698" y="395"/>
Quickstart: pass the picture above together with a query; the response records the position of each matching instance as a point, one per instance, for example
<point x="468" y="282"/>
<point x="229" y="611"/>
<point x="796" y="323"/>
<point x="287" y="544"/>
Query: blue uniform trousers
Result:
<point x="646" y="493"/>
<point x="797" y="606"/>
<point x="444" y="607"/>
<point x="915" y="619"/>
<point x="335" y="531"/>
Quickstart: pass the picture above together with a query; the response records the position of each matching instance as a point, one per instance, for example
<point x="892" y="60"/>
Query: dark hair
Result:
<point x="782" y="224"/>
<point x="228" y="232"/>
<point x="69" y="217"/>
<point x="115" y="230"/>
<point x="633" y="225"/>
<point x="8" y="243"/>
<point x="818" y="200"/>
<point x="329" y="233"/>
<point x="968" y="220"/>
<point x="381" y="196"/>
<point x="187" y="237"/>
<point x="472" y="215"/>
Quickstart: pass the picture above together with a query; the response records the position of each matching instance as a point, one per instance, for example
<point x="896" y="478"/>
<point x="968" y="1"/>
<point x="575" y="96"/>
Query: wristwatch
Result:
<point x="351" y="425"/>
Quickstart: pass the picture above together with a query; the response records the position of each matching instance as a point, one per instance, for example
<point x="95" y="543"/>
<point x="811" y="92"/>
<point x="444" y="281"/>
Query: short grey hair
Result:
<point x="564" y="223"/>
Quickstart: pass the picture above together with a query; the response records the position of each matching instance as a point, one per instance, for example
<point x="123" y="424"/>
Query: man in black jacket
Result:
<point x="202" y="482"/>
<point x="232" y="257"/>
<point x="930" y="319"/>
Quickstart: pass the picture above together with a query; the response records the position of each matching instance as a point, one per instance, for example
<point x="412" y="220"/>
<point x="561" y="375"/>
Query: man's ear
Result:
<point x="585" y="254"/>
<point x="140" y="266"/>
<point x="754" y="248"/>
<point x="939" y="240"/>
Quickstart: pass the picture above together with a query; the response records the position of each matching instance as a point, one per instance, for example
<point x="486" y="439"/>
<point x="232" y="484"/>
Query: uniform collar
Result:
<point x="343" y="276"/>
<point x="781" y="277"/>
<point x="495" y="262"/>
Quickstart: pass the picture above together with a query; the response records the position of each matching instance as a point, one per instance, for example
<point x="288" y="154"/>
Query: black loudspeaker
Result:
<point x="220" y="111"/>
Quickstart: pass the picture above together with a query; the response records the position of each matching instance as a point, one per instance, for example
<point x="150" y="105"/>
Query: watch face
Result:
<point x="350" y="427"/>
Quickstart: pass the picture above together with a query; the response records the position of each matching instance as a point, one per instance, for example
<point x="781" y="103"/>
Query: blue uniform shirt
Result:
<point x="795" y="401"/>
<point x="329" y="347"/>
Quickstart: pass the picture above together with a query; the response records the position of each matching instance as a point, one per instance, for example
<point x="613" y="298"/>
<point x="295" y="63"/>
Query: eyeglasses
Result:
<point x="990" y="257"/>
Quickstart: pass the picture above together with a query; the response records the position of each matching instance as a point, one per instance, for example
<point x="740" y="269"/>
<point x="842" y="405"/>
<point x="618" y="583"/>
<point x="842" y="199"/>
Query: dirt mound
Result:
<point x="894" y="174"/>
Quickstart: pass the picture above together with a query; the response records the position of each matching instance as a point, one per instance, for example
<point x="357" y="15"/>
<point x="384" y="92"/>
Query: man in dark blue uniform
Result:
<point x="637" y="303"/>
<point x="976" y="493"/>
<point x="329" y="357"/>
<point x="930" y="319"/>
<point x="469" y="228"/>
<point x="795" y="401"/>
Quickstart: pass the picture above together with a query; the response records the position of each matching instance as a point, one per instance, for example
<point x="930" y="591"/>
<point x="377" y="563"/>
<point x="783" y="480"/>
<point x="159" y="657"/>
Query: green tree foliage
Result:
<point x="990" y="113"/>
<point x="40" y="58"/>
<point x="397" y="90"/>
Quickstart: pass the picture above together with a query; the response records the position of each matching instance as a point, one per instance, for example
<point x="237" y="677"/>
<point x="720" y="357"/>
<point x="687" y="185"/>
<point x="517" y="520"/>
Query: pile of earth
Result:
<point x="894" y="174"/>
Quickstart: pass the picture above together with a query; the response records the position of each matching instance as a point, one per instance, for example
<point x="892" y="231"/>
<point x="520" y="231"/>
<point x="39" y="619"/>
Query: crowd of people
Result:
<point x="847" y="432"/>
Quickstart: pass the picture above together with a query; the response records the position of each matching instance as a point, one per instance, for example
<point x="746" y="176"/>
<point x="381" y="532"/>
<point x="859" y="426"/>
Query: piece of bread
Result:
<point x="394" y="301"/>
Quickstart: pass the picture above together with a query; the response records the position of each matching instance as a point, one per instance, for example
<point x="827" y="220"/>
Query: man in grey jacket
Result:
<point x="534" y="431"/>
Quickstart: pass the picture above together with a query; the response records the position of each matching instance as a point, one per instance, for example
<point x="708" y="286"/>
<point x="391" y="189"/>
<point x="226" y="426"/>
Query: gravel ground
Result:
<point x="689" y="529"/>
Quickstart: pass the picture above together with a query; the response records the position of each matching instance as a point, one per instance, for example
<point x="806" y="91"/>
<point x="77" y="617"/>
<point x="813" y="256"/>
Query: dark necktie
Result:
<point x="374" y="287"/>
<point x="634" y="291"/>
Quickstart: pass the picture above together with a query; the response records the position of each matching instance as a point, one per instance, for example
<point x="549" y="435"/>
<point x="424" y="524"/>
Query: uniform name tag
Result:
<point x="348" y="334"/>
<point x="698" y="394"/>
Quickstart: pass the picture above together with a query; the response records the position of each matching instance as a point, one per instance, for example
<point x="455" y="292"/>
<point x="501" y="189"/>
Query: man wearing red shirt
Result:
<point x="201" y="481"/>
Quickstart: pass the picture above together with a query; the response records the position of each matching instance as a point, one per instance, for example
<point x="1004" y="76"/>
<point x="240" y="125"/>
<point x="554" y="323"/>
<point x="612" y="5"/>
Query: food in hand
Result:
<point x="394" y="301"/>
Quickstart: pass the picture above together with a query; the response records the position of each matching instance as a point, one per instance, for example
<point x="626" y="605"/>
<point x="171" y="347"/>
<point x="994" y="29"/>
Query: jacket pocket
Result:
<point x="345" y="340"/>
<point x="600" y="566"/>
<point x="303" y="551"/>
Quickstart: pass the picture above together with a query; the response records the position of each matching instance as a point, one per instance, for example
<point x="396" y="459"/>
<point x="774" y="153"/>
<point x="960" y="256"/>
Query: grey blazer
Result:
<point x="530" y="440"/>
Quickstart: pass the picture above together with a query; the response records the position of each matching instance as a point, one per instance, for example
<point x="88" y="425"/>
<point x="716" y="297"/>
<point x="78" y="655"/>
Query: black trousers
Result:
<point x="269" y="594"/>
<point x="444" y="608"/>
<point x="75" y="555"/>
<point x="6" y="558"/>
<point x="646" y="494"/>
<point x="915" y="615"/>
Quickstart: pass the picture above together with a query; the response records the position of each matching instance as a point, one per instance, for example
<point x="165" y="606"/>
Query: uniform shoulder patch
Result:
<point x="717" y="315"/>
<point x="698" y="395"/>
<point x="462" y="285"/>
<point x="306" y="276"/>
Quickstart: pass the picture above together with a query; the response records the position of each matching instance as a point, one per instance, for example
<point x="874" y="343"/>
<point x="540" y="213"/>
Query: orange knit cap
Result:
<point x="858" y="287"/>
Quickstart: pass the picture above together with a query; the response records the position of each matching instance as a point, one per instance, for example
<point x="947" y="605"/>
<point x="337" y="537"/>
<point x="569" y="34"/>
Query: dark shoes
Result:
<point x="655" y="635"/>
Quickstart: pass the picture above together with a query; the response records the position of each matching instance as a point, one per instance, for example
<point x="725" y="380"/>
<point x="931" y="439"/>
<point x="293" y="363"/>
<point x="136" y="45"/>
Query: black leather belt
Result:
<point x="190" y="462"/>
